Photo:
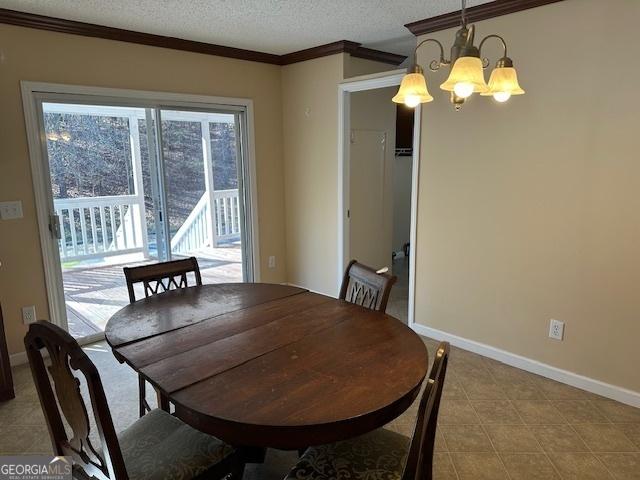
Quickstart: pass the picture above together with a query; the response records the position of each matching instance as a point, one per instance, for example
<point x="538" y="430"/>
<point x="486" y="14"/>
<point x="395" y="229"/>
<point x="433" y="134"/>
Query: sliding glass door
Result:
<point x="204" y="207"/>
<point x="133" y="184"/>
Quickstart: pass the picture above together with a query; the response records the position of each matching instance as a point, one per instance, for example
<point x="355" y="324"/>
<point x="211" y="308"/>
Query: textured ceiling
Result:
<point x="272" y="26"/>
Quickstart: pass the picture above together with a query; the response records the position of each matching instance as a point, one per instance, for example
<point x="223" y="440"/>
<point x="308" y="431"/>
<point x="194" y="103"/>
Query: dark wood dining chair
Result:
<point x="382" y="453"/>
<point x="158" y="278"/>
<point x="364" y="286"/>
<point x="157" y="445"/>
<point x="161" y="277"/>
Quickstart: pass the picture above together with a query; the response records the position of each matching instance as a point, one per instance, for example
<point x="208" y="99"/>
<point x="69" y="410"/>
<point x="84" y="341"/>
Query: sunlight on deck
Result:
<point x="94" y="292"/>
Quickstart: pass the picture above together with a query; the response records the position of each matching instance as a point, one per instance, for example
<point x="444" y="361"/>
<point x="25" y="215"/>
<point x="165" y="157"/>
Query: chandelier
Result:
<point x="466" y="76"/>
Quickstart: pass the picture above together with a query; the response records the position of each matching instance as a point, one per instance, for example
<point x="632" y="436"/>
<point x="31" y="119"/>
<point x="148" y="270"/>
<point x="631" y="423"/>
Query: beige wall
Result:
<point x="310" y="113"/>
<point x="310" y="125"/>
<point x="27" y="54"/>
<point x="354" y="66"/>
<point x="530" y="210"/>
<point x="402" y="168"/>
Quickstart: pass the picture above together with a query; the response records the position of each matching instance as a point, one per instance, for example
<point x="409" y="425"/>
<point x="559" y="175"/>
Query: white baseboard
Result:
<point x="19" y="358"/>
<point x="309" y="289"/>
<point x="614" y="392"/>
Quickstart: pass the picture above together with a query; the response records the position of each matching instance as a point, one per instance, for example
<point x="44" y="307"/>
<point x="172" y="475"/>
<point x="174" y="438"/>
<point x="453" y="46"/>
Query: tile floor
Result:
<point x="496" y="422"/>
<point x="398" y="305"/>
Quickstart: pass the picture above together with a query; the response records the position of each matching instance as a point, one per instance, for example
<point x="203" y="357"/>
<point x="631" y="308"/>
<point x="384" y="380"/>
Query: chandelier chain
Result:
<point x="463" y="12"/>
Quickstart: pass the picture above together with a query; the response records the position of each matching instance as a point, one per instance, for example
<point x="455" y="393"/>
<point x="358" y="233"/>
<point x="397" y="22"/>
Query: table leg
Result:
<point x="254" y="454"/>
<point x="163" y="401"/>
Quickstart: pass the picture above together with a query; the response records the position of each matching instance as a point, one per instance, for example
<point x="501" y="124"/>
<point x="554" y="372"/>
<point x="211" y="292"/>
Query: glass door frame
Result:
<point x="35" y="93"/>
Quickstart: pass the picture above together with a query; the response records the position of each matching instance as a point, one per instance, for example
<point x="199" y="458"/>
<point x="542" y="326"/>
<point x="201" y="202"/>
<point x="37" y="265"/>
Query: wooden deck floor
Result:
<point x="94" y="293"/>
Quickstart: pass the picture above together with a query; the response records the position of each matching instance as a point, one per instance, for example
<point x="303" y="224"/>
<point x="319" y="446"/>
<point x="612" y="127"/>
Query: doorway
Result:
<point x="126" y="180"/>
<point x="378" y="183"/>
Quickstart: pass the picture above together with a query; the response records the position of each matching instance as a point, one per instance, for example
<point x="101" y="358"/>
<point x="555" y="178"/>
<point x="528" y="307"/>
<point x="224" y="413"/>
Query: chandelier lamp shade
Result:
<point x="466" y="75"/>
<point x="413" y="89"/>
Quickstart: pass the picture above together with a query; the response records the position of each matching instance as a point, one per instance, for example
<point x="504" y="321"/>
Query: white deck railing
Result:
<point x="227" y="211"/>
<point x="92" y="227"/>
<point x="194" y="234"/>
<point x="100" y="226"/>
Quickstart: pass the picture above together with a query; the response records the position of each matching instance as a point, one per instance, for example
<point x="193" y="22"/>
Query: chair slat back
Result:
<point x="363" y="286"/>
<point x="161" y="277"/>
<point x="420" y="459"/>
<point x="59" y="393"/>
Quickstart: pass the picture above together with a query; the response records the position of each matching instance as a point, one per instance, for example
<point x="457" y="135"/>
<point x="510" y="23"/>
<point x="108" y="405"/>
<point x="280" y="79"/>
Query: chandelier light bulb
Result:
<point x="503" y="82"/>
<point x="463" y="89"/>
<point x="501" y="96"/>
<point x="466" y="77"/>
<point x="412" y="101"/>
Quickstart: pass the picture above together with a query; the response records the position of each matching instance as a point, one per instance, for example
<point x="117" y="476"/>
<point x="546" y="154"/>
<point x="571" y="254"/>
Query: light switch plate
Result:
<point x="10" y="210"/>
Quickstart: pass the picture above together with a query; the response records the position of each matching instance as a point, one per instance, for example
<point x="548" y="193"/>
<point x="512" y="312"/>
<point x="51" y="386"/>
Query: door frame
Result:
<point x="31" y="91"/>
<point x="358" y="84"/>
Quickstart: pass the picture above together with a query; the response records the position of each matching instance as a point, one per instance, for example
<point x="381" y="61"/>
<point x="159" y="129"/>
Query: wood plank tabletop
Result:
<point x="271" y="365"/>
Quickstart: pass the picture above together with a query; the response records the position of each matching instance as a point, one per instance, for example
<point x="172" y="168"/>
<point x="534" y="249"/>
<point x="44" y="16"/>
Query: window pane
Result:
<point x="89" y="155"/>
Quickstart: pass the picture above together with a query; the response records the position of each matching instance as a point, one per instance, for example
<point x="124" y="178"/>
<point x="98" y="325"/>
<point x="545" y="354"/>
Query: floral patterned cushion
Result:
<point x="160" y="446"/>
<point x="378" y="455"/>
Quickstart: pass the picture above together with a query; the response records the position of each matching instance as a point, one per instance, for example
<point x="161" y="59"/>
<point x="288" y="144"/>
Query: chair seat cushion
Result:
<point x="378" y="455"/>
<point x="160" y="446"/>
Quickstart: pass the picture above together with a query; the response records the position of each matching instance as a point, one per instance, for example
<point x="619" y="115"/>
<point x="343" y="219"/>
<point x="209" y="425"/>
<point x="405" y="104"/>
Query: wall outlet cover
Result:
<point x="28" y="314"/>
<point x="556" y="329"/>
<point x="272" y="261"/>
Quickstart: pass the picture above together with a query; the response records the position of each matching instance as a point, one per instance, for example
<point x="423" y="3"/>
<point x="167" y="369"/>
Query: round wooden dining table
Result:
<point x="267" y="365"/>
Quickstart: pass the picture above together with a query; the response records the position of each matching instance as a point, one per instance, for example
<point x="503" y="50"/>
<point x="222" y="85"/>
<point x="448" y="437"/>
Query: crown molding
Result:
<point x="60" y="25"/>
<point x="378" y="55"/>
<point x="342" y="46"/>
<point x="493" y="9"/>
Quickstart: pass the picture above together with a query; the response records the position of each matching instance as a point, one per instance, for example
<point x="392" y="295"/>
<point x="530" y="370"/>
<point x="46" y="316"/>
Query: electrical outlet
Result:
<point x="556" y="329"/>
<point x="28" y="314"/>
<point x="11" y="210"/>
<point x="272" y="261"/>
